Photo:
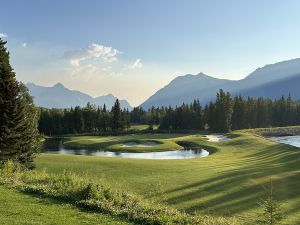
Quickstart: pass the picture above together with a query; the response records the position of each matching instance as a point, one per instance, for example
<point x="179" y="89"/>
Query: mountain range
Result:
<point x="271" y="81"/>
<point x="58" y="96"/>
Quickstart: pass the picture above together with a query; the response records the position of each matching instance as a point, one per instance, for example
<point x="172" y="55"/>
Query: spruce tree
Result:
<point x="223" y="112"/>
<point x="116" y="119"/>
<point x="78" y="120"/>
<point x="271" y="212"/>
<point x="19" y="137"/>
<point x="127" y="119"/>
<point x="239" y="113"/>
<point x="104" y="119"/>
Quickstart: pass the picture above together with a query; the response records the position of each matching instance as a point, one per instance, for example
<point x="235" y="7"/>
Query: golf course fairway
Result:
<point x="229" y="182"/>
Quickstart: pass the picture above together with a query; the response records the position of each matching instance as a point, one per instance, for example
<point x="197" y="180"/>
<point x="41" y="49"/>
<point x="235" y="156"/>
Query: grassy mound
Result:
<point x="115" y="143"/>
<point x="95" y="196"/>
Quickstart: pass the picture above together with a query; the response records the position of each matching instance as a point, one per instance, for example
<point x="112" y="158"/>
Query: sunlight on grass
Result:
<point x="229" y="182"/>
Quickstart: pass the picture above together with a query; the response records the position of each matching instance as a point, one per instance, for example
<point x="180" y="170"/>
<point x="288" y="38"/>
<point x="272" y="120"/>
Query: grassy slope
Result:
<point x="114" y="143"/>
<point x="231" y="181"/>
<point x="142" y="127"/>
<point x="18" y="208"/>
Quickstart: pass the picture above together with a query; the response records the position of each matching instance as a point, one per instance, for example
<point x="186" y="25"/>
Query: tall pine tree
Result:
<point x="116" y="120"/>
<point x="223" y="111"/>
<point x="19" y="137"/>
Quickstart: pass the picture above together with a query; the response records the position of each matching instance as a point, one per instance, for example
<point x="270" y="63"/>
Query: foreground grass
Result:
<point x="93" y="195"/>
<point x="18" y="208"/>
<point x="230" y="182"/>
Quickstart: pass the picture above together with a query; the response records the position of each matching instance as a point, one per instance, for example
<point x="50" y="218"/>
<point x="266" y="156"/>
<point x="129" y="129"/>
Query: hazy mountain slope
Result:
<point x="273" y="72"/>
<point x="59" y="96"/>
<point x="186" y="88"/>
<point x="278" y="77"/>
<point x="109" y="100"/>
<point x="276" y="89"/>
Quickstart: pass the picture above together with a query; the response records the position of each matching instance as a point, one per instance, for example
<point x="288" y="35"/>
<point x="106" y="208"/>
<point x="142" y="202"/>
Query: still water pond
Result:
<point x="289" y="140"/>
<point x="55" y="146"/>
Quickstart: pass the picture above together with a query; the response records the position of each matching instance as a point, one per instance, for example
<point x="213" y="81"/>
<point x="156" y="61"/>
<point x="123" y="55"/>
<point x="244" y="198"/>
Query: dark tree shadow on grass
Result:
<point x="239" y="190"/>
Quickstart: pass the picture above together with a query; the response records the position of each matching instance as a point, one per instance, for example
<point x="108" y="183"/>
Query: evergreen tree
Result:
<point x="271" y="210"/>
<point x="289" y="115"/>
<point x="78" y="120"/>
<point x="212" y="118"/>
<point x="116" y="119"/>
<point x="251" y="113"/>
<point x="223" y="111"/>
<point x="127" y="119"/>
<point x="104" y="119"/>
<point x="197" y="109"/>
<point x="239" y="113"/>
<point x="19" y="138"/>
<point x="89" y="114"/>
<point x="206" y="116"/>
<point x="263" y="108"/>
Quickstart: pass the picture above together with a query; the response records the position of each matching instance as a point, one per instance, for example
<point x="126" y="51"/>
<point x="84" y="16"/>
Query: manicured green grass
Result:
<point x="141" y="127"/>
<point x="230" y="182"/>
<point x="115" y="143"/>
<point x="18" y="208"/>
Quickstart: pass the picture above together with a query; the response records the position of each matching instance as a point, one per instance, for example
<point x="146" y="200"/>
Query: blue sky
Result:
<point x="132" y="48"/>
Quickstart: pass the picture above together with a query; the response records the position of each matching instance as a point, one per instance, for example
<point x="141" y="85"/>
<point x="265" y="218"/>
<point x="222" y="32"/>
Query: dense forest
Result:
<point x="88" y="119"/>
<point x="222" y="115"/>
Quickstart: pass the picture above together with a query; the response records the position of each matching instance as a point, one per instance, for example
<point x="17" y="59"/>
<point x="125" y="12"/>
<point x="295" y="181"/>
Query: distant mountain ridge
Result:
<point x="58" y="96"/>
<point x="270" y="81"/>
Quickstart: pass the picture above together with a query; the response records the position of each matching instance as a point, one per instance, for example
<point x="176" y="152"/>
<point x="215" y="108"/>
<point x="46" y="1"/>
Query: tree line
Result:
<point x="224" y="114"/>
<point x="86" y="119"/>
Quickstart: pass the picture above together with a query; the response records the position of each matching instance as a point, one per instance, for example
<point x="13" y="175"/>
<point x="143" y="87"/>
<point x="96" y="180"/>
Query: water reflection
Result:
<point x="289" y="140"/>
<point x="54" y="145"/>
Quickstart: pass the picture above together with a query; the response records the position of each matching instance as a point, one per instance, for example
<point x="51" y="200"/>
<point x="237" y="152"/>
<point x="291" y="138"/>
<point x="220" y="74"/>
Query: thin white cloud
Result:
<point x="24" y="44"/>
<point x="74" y="62"/>
<point x="92" y="52"/>
<point x="136" y="64"/>
<point x="3" y="35"/>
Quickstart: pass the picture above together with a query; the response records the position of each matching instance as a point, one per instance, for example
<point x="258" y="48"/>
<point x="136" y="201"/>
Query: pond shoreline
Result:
<point x="188" y="151"/>
<point x="278" y="131"/>
<point x="292" y="140"/>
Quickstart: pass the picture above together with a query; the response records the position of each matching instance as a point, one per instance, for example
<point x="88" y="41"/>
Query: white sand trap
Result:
<point x="216" y="138"/>
<point x="145" y="144"/>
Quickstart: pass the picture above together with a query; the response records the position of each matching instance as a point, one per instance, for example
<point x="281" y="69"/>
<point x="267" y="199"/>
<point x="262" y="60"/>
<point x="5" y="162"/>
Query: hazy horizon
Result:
<point x="131" y="48"/>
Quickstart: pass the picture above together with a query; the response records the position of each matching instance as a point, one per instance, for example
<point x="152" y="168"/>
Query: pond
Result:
<point x="56" y="146"/>
<point x="289" y="140"/>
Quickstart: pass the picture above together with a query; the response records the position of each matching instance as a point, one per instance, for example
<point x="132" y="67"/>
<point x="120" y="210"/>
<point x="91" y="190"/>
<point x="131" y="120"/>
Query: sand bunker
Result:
<point x="216" y="138"/>
<point x="145" y="144"/>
